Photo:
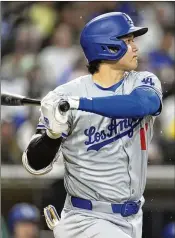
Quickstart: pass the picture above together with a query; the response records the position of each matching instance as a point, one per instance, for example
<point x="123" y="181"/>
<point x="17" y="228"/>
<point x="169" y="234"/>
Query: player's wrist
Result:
<point x="53" y="135"/>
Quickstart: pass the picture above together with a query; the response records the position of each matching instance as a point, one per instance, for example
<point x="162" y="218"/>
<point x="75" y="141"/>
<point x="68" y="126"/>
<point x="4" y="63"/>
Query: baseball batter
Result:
<point x="104" y="137"/>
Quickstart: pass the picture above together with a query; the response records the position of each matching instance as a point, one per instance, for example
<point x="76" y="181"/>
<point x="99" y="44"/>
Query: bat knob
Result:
<point x="64" y="106"/>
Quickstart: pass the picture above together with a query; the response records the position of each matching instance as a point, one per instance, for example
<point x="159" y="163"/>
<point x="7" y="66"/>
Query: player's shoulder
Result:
<point x="141" y="74"/>
<point x="79" y="80"/>
<point x="136" y="79"/>
<point x="76" y="82"/>
<point x="73" y="86"/>
<point x="146" y="77"/>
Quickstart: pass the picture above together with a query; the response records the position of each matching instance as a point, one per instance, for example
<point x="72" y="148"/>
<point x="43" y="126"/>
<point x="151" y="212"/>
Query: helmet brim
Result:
<point x="138" y="31"/>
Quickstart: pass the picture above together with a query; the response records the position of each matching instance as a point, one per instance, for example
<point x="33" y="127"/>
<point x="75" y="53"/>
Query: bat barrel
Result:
<point x="17" y="100"/>
<point x="9" y="100"/>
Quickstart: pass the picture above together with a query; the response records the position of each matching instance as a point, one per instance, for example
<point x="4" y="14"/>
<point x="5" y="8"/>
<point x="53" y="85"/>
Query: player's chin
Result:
<point x="133" y="66"/>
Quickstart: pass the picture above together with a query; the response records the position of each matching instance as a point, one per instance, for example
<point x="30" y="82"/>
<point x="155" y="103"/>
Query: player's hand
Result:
<point x="54" y="120"/>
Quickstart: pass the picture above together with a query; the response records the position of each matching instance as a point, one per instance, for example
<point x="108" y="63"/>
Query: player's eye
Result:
<point x="129" y="41"/>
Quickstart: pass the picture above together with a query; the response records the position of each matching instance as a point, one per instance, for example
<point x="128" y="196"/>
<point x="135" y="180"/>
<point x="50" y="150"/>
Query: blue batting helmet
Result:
<point x="169" y="230"/>
<point x="100" y="38"/>
<point x="22" y="212"/>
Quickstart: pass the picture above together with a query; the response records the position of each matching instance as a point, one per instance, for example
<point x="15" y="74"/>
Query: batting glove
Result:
<point x="51" y="217"/>
<point x="53" y="119"/>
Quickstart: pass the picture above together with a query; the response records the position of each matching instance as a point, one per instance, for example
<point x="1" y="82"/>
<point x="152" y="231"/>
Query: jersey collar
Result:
<point x="112" y="88"/>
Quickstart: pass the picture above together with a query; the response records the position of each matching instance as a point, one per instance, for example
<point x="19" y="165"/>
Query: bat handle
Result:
<point x="64" y="106"/>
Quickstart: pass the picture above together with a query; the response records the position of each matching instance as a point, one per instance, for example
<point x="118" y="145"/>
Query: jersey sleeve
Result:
<point x="151" y="81"/>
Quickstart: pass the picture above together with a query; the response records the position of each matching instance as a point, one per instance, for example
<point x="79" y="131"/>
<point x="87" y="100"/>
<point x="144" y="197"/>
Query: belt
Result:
<point x="125" y="209"/>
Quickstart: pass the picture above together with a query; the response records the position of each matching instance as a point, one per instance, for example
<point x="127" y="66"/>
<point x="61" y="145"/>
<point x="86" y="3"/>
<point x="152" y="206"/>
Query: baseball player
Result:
<point x="104" y="137"/>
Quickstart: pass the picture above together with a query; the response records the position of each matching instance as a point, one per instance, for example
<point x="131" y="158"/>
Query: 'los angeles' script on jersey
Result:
<point x="114" y="131"/>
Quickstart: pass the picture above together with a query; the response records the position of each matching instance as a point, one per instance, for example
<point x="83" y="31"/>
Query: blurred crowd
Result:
<point x="41" y="50"/>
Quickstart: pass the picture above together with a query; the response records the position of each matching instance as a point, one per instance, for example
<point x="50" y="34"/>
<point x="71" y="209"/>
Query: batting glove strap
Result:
<point x="51" y="217"/>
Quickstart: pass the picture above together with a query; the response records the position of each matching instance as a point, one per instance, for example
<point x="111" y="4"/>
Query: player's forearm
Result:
<point x="138" y="104"/>
<point x="41" y="151"/>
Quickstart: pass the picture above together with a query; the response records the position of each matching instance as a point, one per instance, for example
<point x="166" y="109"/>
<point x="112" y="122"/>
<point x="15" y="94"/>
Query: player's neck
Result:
<point x="107" y="77"/>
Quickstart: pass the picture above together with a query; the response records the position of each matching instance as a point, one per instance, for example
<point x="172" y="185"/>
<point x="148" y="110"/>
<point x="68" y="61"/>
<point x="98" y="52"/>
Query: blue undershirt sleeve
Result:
<point x="141" y="102"/>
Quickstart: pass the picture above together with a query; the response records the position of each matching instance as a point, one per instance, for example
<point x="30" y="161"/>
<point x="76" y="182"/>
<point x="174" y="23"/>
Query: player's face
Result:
<point x="130" y="60"/>
<point x="26" y="230"/>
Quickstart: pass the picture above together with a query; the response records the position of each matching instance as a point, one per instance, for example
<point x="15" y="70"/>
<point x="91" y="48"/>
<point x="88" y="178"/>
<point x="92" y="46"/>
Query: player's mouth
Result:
<point x="135" y="57"/>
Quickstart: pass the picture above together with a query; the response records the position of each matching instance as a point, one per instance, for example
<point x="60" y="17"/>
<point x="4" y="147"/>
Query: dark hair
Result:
<point x="93" y="67"/>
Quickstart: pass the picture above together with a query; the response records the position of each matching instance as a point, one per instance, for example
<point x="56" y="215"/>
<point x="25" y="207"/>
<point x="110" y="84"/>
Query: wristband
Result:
<point x="52" y="135"/>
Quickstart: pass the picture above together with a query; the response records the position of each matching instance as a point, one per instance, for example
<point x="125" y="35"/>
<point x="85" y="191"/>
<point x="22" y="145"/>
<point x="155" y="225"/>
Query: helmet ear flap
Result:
<point x="116" y="48"/>
<point x="104" y="48"/>
<point x="110" y="49"/>
<point x="113" y="49"/>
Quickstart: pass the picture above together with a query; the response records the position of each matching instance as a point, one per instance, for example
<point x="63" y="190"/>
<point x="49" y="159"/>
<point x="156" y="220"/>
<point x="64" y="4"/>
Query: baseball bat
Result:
<point x="8" y="99"/>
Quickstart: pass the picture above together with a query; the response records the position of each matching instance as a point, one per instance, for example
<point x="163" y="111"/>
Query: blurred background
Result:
<point x="40" y="50"/>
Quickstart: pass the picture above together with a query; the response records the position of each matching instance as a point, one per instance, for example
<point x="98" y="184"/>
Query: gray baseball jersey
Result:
<point x="106" y="159"/>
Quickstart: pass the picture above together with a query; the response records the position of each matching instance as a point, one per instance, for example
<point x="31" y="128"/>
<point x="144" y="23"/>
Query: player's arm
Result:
<point x="145" y="99"/>
<point x="41" y="152"/>
<point x="141" y="102"/>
